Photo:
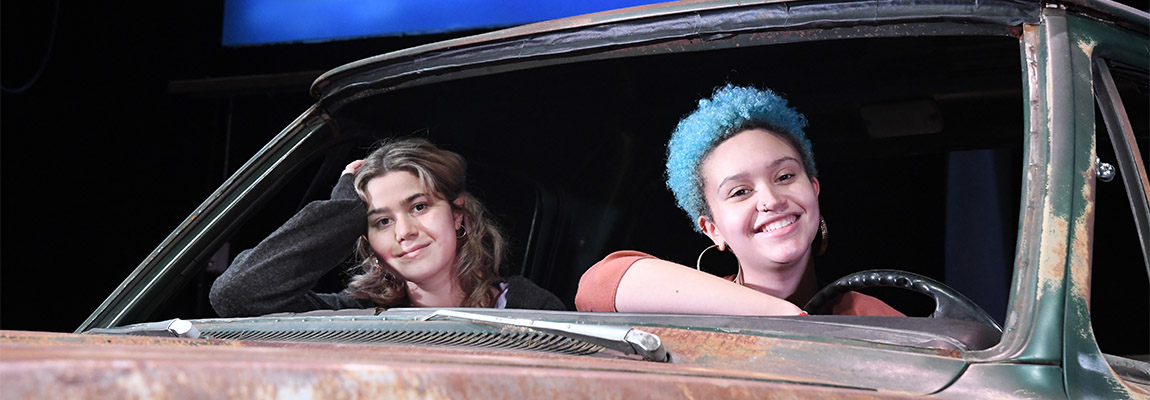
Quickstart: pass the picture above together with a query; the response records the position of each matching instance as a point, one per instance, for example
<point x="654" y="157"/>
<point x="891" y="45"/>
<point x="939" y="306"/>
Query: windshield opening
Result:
<point x="918" y="143"/>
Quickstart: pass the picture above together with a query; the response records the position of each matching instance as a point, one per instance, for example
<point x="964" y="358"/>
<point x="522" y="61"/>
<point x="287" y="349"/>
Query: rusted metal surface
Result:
<point x="1042" y="245"/>
<point x="50" y="365"/>
<point x="695" y="353"/>
<point x="873" y="366"/>
<point x="1001" y="381"/>
<point x="1087" y="371"/>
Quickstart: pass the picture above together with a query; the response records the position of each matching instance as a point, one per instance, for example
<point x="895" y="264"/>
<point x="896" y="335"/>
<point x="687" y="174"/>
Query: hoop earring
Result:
<point x="698" y="265"/>
<point x="823" y="231"/>
<point x="464" y="229"/>
<point x="698" y="262"/>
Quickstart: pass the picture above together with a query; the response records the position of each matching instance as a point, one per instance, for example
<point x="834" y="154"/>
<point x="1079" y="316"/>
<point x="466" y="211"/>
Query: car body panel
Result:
<point x="999" y="381"/>
<point x="1088" y="373"/>
<point x="91" y="366"/>
<point x="657" y="29"/>
<point x="1047" y="347"/>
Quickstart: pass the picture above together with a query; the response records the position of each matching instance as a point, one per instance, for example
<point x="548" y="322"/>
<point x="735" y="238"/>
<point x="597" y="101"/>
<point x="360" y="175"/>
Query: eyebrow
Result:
<point x="742" y="175"/>
<point x="408" y="200"/>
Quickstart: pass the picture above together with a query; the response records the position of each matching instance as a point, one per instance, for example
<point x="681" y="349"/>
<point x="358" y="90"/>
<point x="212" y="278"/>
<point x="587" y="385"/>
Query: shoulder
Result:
<point x="614" y="265"/>
<point x="855" y="303"/>
<point x="599" y="284"/>
<point x="631" y="255"/>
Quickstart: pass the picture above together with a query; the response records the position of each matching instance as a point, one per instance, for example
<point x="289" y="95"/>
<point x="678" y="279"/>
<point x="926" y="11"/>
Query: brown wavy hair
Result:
<point x="478" y="254"/>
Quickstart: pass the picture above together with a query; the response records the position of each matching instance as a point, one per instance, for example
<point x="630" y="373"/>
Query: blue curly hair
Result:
<point x="729" y="111"/>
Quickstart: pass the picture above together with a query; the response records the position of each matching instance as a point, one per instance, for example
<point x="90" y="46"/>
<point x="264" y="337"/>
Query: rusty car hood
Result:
<point x="706" y="364"/>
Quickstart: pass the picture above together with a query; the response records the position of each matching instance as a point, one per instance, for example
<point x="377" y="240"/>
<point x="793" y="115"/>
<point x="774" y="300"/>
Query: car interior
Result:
<point x="918" y="141"/>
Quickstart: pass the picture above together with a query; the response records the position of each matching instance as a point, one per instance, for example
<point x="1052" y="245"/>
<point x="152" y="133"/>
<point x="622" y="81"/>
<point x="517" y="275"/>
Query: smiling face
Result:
<point x="411" y="228"/>
<point x="763" y="205"/>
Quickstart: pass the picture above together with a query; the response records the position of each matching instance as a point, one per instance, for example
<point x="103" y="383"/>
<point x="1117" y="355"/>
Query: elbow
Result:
<point x="229" y="300"/>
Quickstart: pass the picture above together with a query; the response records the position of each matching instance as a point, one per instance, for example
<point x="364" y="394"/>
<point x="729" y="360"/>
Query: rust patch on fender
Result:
<point x="1087" y="47"/>
<point x="1082" y="245"/>
<point x="1052" y="262"/>
<point x="68" y="339"/>
<point x="1083" y="239"/>
<point x="702" y="347"/>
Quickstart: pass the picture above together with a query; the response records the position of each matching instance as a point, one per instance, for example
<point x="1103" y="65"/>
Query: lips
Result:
<point x="413" y="251"/>
<point x="777" y="224"/>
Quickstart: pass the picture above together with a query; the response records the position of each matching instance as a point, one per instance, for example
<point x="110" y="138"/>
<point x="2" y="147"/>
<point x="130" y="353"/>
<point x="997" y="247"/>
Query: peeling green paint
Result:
<point x="1088" y="375"/>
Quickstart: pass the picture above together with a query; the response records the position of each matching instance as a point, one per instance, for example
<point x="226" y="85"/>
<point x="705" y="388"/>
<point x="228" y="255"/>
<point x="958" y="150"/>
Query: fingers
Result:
<point x="353" y="167"/>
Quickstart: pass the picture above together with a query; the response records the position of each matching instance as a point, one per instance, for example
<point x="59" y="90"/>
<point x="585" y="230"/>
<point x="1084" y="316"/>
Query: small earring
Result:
<point x="464" y="229"/>
<point x="823" y="231"/>
<point x="698" y="262"/>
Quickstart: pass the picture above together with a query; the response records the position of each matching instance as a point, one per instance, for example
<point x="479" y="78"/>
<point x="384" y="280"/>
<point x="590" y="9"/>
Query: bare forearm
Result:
<point x="658" y="286"/>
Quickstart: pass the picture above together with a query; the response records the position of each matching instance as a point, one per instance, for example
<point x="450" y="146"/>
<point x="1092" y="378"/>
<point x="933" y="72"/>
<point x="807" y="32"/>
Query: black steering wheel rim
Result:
<point x="949" y="303"/>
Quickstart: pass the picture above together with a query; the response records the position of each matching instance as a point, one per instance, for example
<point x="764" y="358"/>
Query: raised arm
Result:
<point x="279" y="273"/>
<point x="637" y="282"/>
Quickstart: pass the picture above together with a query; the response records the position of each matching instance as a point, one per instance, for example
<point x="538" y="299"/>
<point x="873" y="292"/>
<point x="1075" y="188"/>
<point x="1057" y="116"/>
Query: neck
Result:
<point x="795" y="283"/>
<point x="435" y="293"/>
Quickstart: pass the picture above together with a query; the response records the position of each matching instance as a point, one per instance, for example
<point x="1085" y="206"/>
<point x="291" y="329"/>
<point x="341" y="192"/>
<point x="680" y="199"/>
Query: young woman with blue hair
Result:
<point x="742" y="168"/>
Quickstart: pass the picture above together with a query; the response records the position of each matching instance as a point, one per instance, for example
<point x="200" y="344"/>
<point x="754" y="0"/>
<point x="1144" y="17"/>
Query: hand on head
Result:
<point x="416" y="251"/>
<point x="353" y="167"/>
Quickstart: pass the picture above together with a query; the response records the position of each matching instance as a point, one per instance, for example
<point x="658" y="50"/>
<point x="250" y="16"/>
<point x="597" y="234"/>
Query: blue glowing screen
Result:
<point x="257" y="22"/>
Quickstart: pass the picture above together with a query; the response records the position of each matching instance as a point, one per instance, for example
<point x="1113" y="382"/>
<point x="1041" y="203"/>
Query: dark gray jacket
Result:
<point x="279" y="273"/>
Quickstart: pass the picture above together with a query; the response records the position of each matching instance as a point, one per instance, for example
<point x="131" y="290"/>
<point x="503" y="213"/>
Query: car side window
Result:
<point x="1120" y="306"/>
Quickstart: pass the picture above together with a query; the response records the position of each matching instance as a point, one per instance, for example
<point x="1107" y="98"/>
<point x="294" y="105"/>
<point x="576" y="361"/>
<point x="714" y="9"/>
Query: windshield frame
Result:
<point x="191" y="245"/>
<point x="1049" y="139"/>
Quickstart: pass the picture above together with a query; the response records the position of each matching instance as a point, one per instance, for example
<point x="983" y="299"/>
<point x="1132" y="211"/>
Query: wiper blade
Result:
<point x="171" y="328"/>
<point x="622" y="339"/>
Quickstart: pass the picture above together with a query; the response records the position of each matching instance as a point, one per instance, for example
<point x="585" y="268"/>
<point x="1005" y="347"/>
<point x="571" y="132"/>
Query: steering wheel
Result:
<point x="949" y="303"/>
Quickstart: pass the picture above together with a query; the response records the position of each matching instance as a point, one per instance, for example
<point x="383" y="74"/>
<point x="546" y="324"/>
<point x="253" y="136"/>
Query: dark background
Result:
<point x="117" y="120"/>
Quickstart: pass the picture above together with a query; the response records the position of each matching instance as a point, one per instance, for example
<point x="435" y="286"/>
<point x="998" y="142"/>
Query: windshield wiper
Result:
<point x="171" y="328"/>
<point x="618" y="338"/>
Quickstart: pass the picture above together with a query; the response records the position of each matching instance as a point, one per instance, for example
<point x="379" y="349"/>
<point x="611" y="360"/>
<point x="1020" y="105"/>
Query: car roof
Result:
<point x="574" y="38"/>
<point x="566" y="40"/>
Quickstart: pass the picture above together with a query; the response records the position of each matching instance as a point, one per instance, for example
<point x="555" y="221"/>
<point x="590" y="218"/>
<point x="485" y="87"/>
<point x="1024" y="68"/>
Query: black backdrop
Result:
<point x="116" y="120"/>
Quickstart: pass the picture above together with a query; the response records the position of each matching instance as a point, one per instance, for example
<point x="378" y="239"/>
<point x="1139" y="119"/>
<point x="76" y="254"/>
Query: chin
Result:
<point x="787" y="256"/>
